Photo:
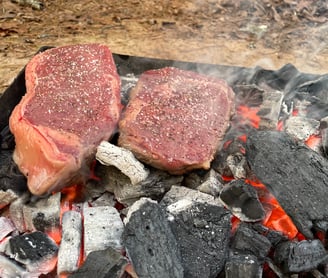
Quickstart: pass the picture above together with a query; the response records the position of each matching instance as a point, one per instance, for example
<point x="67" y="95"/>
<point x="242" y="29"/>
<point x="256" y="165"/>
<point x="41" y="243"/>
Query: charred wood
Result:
<point x="102" y="264"/>
<point x="296" y="257"/>
<point x="9" y="268"/>
<point x="243" y="265"/>
<point x="150" y="243"/>
<point x="242" y="200"/>
<point x="291" y="171"/>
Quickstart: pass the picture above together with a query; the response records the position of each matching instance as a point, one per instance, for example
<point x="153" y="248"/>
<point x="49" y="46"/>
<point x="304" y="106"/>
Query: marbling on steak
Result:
<point x="176" y="119"/>
<point x="72" y="104"/>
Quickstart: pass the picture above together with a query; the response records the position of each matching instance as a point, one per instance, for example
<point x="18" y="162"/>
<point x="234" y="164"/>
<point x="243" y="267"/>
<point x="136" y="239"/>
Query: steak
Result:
<point x="72" y="103"/>
<point x="176" y="119"/>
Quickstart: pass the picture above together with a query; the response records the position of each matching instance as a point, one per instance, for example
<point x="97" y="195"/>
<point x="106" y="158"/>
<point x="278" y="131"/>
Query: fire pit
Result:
<point x="260" y="211"/>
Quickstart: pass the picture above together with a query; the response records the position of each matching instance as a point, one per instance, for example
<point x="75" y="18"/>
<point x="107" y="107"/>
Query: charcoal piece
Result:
<point x="70" y="245"/>
<point x="273" y="236"/>
<point x="296" y="175"/>
<point x="249" y="241"/>
<point x="242" y="199"/>
<point x="203" y="232"/>
<point x="6" y="197"/>
<point x="243" y="266"/>
<point x="211" y="184"/>
<point x="150" y="243"/>
<point x="35" y="250"/>
<point x="157" y="183"/>
<point x="6" y="227"/>
<point x="44" y="214"/>
<point x="16" y="211"/>
<point x="10" y="269"/>
<point x="10" y="176"/>
<point x="13" y="94"/>
<point x="295" y="257"/>
<point x="301" y="127"/>
<point x="7" y="139"/>
<point x="103" y="228"/>
<point x="102" y="264"/>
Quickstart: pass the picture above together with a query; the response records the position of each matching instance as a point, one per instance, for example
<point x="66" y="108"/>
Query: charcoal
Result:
<point x="10" y="269"/>
<point x="273" y="236"/>
<point x="150" y="243"/>
<point x="10" y="177"/>
<point x="296" y="257"/>
<point x="43" y="215"/>
<point x="103" y="228"/>
<point x="203" y="231"/>
<point x="248" y="240"/>
<point x="6" y="197"/>
<point x="102" y="264"/>
<point x="70" y="245"/>
<point x="6" y="227"/>
<point x="36" y="251"/>
<point x="243" y="266"/>
<point x="106" y="199"/>
<point x="301" y="127"/>
<point x="291" y="171"/>
<point x="177" y="193"/>
<point x="157" y="183"/>
<point x="7" y="139"/>
<point x="16" y="211"/>
<point x="242" y="200"/>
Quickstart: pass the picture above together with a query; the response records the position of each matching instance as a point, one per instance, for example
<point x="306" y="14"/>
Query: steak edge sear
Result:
<point x="72" y="104"/>
<point x="176" y="119"/>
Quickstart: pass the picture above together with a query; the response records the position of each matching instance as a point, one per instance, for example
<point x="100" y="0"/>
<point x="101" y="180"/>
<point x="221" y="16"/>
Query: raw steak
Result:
<point x="72" y="104"/>
<point x="176" y="119"/>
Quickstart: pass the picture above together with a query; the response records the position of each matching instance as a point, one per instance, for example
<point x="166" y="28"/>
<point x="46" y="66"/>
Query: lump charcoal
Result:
<point x="7" y="197"/>
<point x="157" y="183"/>
<point x="16" y="211"/>
<point x="150" y="243"/>
<point x="243" y="266"/>
<point x="177" y="193"/>
<point x="103" y="228"/>
<point x="70" y="245"/>
<point x="301" y="127"/>
<point x="296" y="175"/>
<point x="7" y="140"/>
<point x="6" y="227"/>
<point x="242" y="200"/>
<point x="102" y="264"/>
<point x="203" y="232"/>
<point x="123" y="159"/>
<point x="44" y="214"/>
<point x="305" y="255"/>
<point x="37" y="251"/>
<point x="10" y="269"/>
<point x="248" y="240"/>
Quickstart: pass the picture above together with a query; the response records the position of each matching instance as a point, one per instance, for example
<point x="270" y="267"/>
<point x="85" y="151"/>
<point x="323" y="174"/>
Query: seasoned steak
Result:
<point x="176" y="119"/>
<point x="72" y="104"/>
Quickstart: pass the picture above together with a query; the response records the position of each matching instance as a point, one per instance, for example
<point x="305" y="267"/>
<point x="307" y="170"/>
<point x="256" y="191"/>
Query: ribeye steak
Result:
<point x="72" y="104"/>
<point x="176" y="119"/>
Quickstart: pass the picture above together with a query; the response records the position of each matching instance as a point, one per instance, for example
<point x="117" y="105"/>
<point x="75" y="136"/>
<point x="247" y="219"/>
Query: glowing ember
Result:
<point x="249" y="115"/>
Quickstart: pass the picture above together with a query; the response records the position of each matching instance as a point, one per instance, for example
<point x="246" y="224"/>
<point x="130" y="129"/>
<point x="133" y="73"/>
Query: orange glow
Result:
<point x="250" y="113"/>
<point x="243" y="138"/>
<point x="295" y="112"/>
<point x="280" y="126"/>
<point x="313" y="141"/>
<point x="55" y="234"/>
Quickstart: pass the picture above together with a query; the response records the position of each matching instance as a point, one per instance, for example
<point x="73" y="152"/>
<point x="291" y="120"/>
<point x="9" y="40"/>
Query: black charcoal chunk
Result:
<point x="150" y="243"/>
<point x="243" y="266"/>
<point x="102" y="264"/>
<point x="242" y="199"/>
<point x="296" y="175"/>
<point x="295" y="257"/>
<point x="202" y="231"/>
<point x="35" y="250"/>
<point x="250" y="241"/>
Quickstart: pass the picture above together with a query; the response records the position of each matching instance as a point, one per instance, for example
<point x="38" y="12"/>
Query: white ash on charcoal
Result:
<point x="9" y="269"/>
<point x="36" y="251"/>
<point x="71" y="241"/>
<point x="7" y="197"/>
<point x="242" y="200"/>
<point x="102" y="228"/>
<point x="202" y="231"/>
<point x="16" y="211"/>
<point x="210" y="183"/>
<point x="324" y="135"/>
<point x="102" y="264"/>
<point x="247" y="240"/>
<point x="302" y="256"/>
<point x="301" y="127"/>
<point x="291" y="171"/>
<point x="44" y="214"/>
<point x="6" y="227"/>
<point x="150" y="244"/>
<point x="106" y="199"/>
<point x="123" y="159"/>
<point x="248" y="94"/>
<point x="157" y="183"/>
<point x="243" y="265"/>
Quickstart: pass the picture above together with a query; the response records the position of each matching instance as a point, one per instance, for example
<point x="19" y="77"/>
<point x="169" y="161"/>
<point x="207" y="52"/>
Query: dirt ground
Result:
<point x="268" y="33"/>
